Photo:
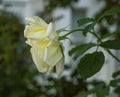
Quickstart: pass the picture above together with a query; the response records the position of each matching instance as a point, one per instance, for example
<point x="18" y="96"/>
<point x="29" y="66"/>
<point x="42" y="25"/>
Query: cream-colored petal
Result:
<point x="36" y="20"/>
<point x="37" y="59"/>
<point x="60" y="67"/>
<point x="51" y="34"/>
<point x="50" y="69"/>
<point x="52" y="54"/>
<point x="34" y="32"/>
<point x="42" y="44"/>
<point x="28" y="42"/>
<point x="32" y="42"/>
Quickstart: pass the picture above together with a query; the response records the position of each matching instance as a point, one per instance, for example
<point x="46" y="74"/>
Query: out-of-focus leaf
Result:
<point x="111" y="44"/>
<point x="82" y="94"/>
<point x="115" y="82"/>
<point x="101" y="90"/>
<point x="84" y="21"/>
<point x="117" y="90"/>
<point x="80" y="49"/>
<point x="90" y="64"/>
<point x="88" y="28"/>
<point x="116" y="74"/>
<point x="110" y="34"/>
<point x="110" y="12"/>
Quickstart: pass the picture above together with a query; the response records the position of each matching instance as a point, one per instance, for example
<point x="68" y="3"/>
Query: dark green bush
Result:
<point x="15" y="73"/>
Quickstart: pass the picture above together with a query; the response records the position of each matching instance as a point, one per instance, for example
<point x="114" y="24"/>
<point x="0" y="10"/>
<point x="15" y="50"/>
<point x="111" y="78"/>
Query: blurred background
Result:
<point x="19" y="76"/>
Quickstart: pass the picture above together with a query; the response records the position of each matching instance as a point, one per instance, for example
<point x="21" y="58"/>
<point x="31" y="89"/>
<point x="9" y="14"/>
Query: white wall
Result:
<point x="24" y="8"/>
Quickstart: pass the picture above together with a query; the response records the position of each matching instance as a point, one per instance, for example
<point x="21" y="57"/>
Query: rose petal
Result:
<point x="51" y="34"/>
<point x="60" y="67"/>
<point x="52" y="54"/>
<point x="40" y="64"/>
<point x="36" y="20"/>
<point x="35" y="32"/>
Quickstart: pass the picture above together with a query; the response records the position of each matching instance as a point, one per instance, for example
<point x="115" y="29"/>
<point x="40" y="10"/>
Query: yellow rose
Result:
<point x="45" y="48"/>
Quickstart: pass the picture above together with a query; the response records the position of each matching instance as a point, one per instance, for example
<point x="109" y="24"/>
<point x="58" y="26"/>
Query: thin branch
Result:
<point x="62" y="37"/>
<point x="99" y="39"/>
<point x="112" y="55"/>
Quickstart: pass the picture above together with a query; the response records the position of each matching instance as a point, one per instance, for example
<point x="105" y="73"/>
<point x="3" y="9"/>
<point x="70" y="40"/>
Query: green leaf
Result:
<point x="80" y="49"/>
<point x="110" y="34"/>
<point x="85" y="21"/>
<point x="101" y="90"/>
<point x="117" y="90"/>
<point x="82" y="94"/>
<point x="115" y="74"/>
<point x="111" y="44"/>
<point x="88" y="28"/>
<point x="110" y="12"/>
<point x="115" y="82"/>
<point x="90" y="64"/>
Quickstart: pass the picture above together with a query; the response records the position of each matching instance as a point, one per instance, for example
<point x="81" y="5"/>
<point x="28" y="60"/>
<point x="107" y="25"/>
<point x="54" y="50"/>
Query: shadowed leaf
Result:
<point x="85" y="21"/>
<point x="82" y="94"/>
<point x="90" y="64"/>
<point x="111" y="44"/>
<point x="80" y="49"/>
<point x="110" y="12"/>
<point x="88" y="28"/>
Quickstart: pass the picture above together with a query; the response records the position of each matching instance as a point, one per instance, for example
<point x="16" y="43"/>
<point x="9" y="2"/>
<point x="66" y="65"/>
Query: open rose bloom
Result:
<point x="45" y="48"/>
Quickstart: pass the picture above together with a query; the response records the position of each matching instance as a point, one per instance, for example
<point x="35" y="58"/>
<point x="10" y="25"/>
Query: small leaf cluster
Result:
<point x="91" y="63"/>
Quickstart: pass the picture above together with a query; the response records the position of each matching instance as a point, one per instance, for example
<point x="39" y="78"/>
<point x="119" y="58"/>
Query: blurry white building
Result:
<point x="23" y="8"/>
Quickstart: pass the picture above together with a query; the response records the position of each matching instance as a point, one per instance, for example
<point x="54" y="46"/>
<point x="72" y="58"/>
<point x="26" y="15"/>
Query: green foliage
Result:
<point x="80" y="49"/>
<point x="84" y="21"/>
<point x="90" y="64"/>
<point x="116" y="74"/>
<point x="111" y="44"/>
<point x="115" y="82"/>
<point x="101" y="90"/>
<point x="88" y="28"/>
<point x="110" y="12"/>
<point x="15" y="66"/>
<point x="82" y="94"/>
<point x="110" y="34"/>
